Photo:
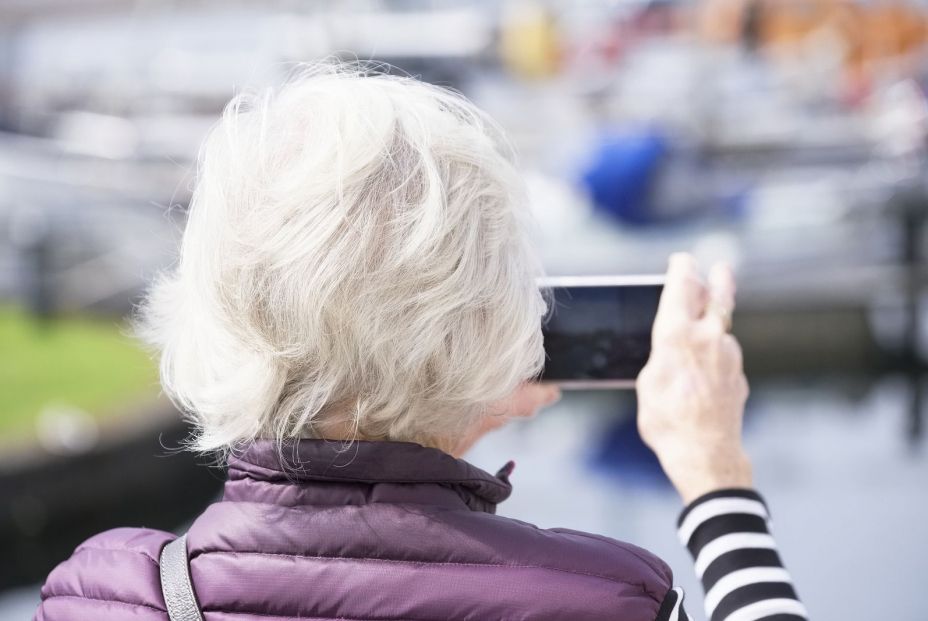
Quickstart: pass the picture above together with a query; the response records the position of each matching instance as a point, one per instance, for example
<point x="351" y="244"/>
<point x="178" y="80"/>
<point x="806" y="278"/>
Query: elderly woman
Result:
<point x="354" y="306"/>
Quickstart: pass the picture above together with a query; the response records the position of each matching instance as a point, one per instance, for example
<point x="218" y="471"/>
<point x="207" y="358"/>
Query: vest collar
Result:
<point x="312" y="460"/>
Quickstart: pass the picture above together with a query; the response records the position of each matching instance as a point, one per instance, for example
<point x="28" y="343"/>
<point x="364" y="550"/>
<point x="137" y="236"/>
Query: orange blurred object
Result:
<point x="869" y="34"/>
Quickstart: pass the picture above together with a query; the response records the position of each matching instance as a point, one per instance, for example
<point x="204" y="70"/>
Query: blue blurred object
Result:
<point x="622" y="454"/>
<point x="622" y="172"/>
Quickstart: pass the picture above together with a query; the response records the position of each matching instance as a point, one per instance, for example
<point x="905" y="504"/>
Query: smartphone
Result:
<point x="598" y="332"/>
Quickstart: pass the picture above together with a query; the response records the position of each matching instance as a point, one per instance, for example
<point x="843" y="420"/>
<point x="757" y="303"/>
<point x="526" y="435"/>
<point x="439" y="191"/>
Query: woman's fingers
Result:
<point x="692" y="391"/>
<point x="532" y="396"/>
<point x="527" y="399"/>
<point x="722" y="285"/>
<point x="721" y="303"/>
<point x="684" y="297"/>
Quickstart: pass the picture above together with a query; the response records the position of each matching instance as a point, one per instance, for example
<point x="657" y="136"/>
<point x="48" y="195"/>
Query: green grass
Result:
<point x="75" y="361"/>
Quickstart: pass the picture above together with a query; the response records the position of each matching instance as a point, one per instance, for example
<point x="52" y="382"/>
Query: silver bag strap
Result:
<point x="175" y="582"/>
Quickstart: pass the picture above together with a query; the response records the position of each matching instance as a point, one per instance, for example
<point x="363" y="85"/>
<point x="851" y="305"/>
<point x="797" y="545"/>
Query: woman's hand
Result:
<point x="691" y="393"/>
<point x="524" y="402"/>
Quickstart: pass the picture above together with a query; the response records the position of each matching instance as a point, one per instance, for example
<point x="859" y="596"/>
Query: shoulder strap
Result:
<point x="175" y="582"/>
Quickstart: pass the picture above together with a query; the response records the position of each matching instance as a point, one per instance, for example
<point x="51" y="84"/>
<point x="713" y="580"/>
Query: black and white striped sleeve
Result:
<point x="736" y="558"/>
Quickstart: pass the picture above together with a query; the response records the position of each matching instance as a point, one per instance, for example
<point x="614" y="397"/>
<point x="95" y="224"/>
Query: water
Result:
<point x="19" y="604"/>
<point x="847" y="489"/>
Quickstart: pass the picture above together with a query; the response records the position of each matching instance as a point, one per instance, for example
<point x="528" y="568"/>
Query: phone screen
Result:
<point x="599" y="335"/>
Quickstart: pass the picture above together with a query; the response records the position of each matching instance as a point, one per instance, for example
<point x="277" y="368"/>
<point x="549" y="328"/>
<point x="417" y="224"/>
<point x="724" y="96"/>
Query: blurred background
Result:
<point x="785" y="136"/>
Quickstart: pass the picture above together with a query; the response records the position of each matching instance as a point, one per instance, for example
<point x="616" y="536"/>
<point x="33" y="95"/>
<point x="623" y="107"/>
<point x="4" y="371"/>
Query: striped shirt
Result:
<point x="727" y="532"/>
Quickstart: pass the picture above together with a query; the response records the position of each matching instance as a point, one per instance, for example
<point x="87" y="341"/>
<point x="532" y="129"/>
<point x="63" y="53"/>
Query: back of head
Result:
<point x="355" y="254"/>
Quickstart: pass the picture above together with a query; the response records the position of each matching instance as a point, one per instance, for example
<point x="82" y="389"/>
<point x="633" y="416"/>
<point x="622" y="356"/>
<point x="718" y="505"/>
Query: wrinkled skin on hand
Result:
<point x="692" y="392"/>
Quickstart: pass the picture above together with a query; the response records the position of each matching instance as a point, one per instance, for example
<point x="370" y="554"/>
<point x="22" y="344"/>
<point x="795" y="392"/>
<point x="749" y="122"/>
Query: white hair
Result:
<point x="356" y="249"/>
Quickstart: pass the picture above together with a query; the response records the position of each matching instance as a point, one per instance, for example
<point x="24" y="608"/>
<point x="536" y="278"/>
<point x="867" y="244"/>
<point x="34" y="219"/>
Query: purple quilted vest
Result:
<point x="380" y="531"/>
